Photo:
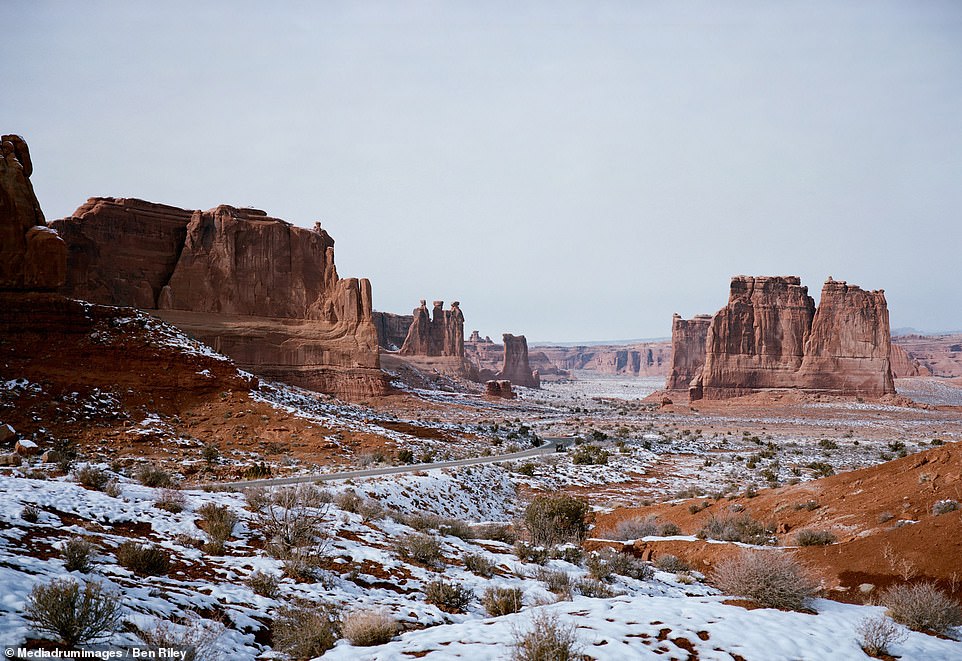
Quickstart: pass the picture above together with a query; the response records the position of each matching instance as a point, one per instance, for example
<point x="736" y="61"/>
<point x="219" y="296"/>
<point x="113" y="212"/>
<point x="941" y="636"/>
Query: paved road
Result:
<point x="547" y="448"/>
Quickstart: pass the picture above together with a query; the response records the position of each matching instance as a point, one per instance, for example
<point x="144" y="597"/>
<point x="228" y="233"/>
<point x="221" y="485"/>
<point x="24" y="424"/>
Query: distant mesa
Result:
<point x="771" y="336"/>
<point x="256" y="288"/>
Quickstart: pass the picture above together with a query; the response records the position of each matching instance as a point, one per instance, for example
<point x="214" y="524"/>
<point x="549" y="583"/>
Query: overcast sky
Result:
<point x="569" y="171"/>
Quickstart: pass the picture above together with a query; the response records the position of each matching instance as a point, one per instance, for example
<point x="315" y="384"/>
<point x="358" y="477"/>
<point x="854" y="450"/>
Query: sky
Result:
<point x="566" y="170"/>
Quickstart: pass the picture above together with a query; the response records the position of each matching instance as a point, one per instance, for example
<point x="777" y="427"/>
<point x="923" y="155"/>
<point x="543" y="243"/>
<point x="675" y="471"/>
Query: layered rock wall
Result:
<point x="688" y="339"/>
<point x="644" y="359"/>
<point x="392" y="329"/>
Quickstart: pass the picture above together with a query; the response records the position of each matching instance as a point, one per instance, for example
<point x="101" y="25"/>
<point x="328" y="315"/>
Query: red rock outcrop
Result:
<point x="256" y="288"/>
<point x="905" y="366"/>
<point x="644" y="359"/>
<point x="688" y="338"/>
<point x="439" y="335"/>
<point x="392" y="329"/>
<point x="499" y="388"/>
<point x="516" y="367"/>
<point x="937" y="355"/>
<point x="476" y="337"/>
<point x="32" y="256"/>
<point x="770" y="336"/>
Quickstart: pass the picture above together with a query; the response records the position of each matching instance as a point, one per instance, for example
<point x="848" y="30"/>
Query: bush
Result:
<point x="556" y="581"/>
<point x="76" y="554"/>
<point x="420" y="548"/>
<point x="532" y="554"/>
<point x="877" y="633"/>
<point x="478" y="564"/>
<point x="154" y="476"/>
<point x="305" y="630"/>
<point x="92" y="477"/>
<point x="922" y="606"/>
<point x="568" y="553"/>
<point x="292" y="519"/>
<point x="502" y="601"/>
<point x="815" y="537"/>
<point x="945" y="506"/>
<point x="455" y="528"/>
<point x="669" y="529"/>
<point x="264" y="584"/>
<point x="196" y="638"/>
<point x="144" y="560"/>
<point x="367" y="628"/>
<point x="672" y="563"/>
<point x="602" y="564"/>
<point x="75" y="615"/>
<point x="349" y="501"/>
<point x="590" y="587"/>
<point x="371" y="510"/>
<point x="547" y="639"/>
<point x="449" y="597"/>
<point x="218" y="521"/>
<point x="740" y="528"/>
<point x="171" y="500"/>
<point x="556" y="518"/>
<point x="636" y="528"/>
<point x="30" y="514"/>
<point x="499" y="532"/>
<point x="590" y="455"/>
<point x="769" y="578"/>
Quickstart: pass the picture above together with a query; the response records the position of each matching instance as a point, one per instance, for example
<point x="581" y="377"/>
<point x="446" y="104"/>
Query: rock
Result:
<point x="438" y="334"/>
<point x="904" y="365"/>
<point x="770" y="336"/>
<point x="865" y="588"/>
<point x="499" y="388"/>
<point x="7" y="433"/>
<point x="392" y="329"/>
<point x="10" y="459"/>
<point x="688" y="337"/>
<point x="256" y="288"/>
<point x="50" y="457"/>
<point x="26" y="448"/>
<point x="32" y="256"/>
<point x="476" y="337"/>
<point x="645" y="359"/>
<point x="666" y="401"/>
<point x="515" y="366"/>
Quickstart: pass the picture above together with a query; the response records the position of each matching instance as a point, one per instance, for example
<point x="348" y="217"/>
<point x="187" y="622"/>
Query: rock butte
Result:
<point x="516" y="367"/>
<point x="440" y="333"/>
<point x="688" y="337"/>
<point x="256" y="288"/>
<point x="770" y="335"/>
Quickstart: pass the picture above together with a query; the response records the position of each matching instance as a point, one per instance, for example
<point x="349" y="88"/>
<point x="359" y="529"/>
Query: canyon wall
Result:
<point x="688" y="340"/>
<point x="643" y="359"/>
<point x="770" y="336"/>
<point x="256" y="288"/>
<point x="392" y="329"/>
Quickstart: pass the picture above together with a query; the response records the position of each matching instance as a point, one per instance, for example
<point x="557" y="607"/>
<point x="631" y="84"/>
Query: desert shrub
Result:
<point x="501" y="601"/>
<point x="305" y="629"/>
<point x="143" y="559"/>
<point x="568" y="553"/>
<point x="668" y="529"/>
<point x="371" y="509"/>
<point x="922" y="606"/>
<point x="293" y="521"/>
<point x="528" y="553"/>
<point x="556" y="581"/>
<point x="478" y="564"/>
<point x="945" y="506"/>
<point x="196" y="638"/>
<point x="605" y="562"/>
<point x="92" y="477"/>
<point x="821" y="469"/>
<point x="547" y="639"/>
<point x="210" y="454"/>
<point x="263" y="583"/>
<point x="256" y="498"/>
<point x="591" y="587"/>
<point x="589" y="455"/>
<point x="420" y="548"/>
<point x="154" y="476"/>
<point x="73" y="614"/>
<point x="349" y="501"/>
<point x="636" y="528"/>
<point x="77" y="554"/>
<point x="367" y="628"/>
<point x="449" y="597"/>
<point x="769" y="578"/>
<point x="405" y="456"/>
<point x="171" y="500"/>
<point x="877" y="633"/>
<point x="456" y="528"/>
<point x="556" y="518"/>
<point x="499" y="532"/>
<point x="30" y="514"/>
<point x="218" y="521"/>
<point x="672" y="563"/>
<point x="112" y="489"/>
<point x="740" y="528"/>
<point x="420" y="521"/>
<point x="815" y="537"/>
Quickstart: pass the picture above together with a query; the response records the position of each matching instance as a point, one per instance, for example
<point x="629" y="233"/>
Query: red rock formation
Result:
<point x="770" y="336"/>
<point x="442" y="335"/>
<point x="392" y="329"/>
<point x="499" y="388"/>
<point x="32" y="256"/>
<point x="258" y="289"/>
<point x="937" y="355"/>
<point x="515" y="367"/>
<point x="688" y="337"/>
<point x="645" y="359"/>
<point x="904" y="365"/>
<point x="848" y="349"/>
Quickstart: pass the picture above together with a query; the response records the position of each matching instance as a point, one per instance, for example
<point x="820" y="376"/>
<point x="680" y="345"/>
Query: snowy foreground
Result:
<point x="660" y="617"/>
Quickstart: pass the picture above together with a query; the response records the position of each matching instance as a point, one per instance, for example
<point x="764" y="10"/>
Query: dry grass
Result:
<point x="367" y="628"/>
<point x="768" y="578"/>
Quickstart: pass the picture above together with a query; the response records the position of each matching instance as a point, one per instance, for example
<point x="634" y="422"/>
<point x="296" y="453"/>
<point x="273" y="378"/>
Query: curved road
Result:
<point x="547" y="448"/>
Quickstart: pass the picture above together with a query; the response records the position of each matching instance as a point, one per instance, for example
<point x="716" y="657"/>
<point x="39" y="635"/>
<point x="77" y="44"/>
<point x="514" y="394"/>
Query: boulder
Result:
<point x="499" y="388"/>
<point x="7" y="433"/>
<point x="26" y="448"/>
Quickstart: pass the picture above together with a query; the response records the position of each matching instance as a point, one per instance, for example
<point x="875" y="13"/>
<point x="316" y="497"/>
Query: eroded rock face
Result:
<point x="770" y="336"/>
<point x="516" y="367"/>
<point x="437" y="334"/>
<point x="904" y="365"/>
<point x="256" y="288"/>
<point x="499" y="388"/>
<point x="33" y="257"/>
<point x="392" y="329"/>
<point x="688" y="338"/>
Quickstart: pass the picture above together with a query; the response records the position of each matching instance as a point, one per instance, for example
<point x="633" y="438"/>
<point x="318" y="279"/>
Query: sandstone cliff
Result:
<point x="392" y="329"/>
<point x="32" y="256"/>
<point x="904" y="365"/>
<point x="256" y="288"/>
<point x="644" y="359"/>
<point x="440" y="334"/>
<point x="938" y="355"/>
<point x="688" y="338"/>
<point x="516" y="367"/>
<point x="770" y="336"/>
